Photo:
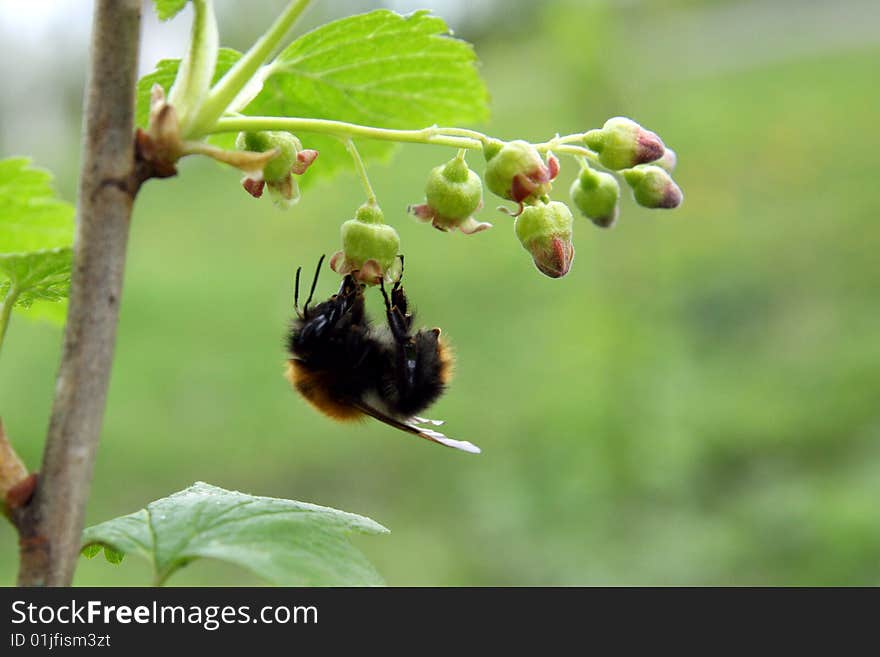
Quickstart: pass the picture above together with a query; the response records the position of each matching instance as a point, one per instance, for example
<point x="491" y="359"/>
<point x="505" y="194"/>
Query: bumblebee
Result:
<point x="347" y="368"/>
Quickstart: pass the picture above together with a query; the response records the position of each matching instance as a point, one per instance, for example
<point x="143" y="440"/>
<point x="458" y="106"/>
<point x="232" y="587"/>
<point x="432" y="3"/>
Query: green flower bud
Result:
<point x="369" y="247"/>
<point x="453" y="194"/>
<point x="515" y="170"/>
<point x="277" y="173"/>
<point x="653" y="187"/>
<point x="287" y="144"/>
<point x="545" y="231"/>
<point x="622" y="143"/>
<point x="596" y="195"/>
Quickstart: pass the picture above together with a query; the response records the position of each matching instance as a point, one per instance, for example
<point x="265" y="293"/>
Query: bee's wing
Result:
<point x="411" y="426"/>
<point x="425" y="420"/>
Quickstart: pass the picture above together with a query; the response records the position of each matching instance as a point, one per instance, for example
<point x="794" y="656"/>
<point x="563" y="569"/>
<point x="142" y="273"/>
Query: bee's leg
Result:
<point x="314" y="284"/>
<point x="296" y="292"/>
<point x="396" y="320"/>
<point x="399" y="301"/>
<point x="399" y="280"/>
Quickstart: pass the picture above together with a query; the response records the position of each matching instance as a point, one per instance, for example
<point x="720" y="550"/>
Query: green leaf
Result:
<point x="379" y="69"/>
<point x="168" y="9"/>
<point x="38" y="275"/>
<point x="36" y="231"/>
<point x="283" y="541"/>
<point x="164" y="75"/>
<point x="112" y="556"/>
<point x="91" y="551"/>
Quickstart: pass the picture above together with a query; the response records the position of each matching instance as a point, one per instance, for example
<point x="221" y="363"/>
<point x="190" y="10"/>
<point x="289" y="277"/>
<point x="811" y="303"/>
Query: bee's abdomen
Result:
<point x="321" y="390"/>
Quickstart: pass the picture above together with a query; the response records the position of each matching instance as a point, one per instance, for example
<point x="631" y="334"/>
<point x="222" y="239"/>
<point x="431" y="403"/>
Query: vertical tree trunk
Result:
<point x="51" y="524"/>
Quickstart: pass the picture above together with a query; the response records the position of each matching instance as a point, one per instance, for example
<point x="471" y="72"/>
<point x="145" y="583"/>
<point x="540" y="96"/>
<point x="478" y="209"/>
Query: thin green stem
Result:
<point x="341" y="129"/>
<point x="577" y="151"/>
<point x="6" y="310"/>
<point x="361" y="171"/>
<point x="554" y="143"/>
<point x="193" y="80"/>
<point x="460" y="138"/>
<point x="225" y="91"/>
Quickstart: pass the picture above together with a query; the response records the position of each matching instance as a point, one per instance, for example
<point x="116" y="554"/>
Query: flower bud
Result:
<point x="453" y="194"/>
<point x="622" y="143"/>
<point x="653" y="187"/>
<point x="668" y="161"/>
<point x="515" y="170"/>
<point x="544" y="230"/>
<point x="596" y="195"/>
<point x="276" y="174"/>
<point x="369" y="247"/>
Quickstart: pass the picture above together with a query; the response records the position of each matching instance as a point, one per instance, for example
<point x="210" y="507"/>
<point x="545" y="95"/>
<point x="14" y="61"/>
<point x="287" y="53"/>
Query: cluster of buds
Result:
<point x="276" y="174"/>
<point x="515" y="171"/>
<point x="369" y="247"/>
<point x="641" y="158"/>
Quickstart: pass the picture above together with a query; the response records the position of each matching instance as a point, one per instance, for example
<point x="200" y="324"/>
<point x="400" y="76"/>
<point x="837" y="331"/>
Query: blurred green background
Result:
<point x="698" y="402"/>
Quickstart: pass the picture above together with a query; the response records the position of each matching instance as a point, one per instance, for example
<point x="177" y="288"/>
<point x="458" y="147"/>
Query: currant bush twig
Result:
<point x="197" y="69"/>
<point x="6" y="310"/>
<point x="51" y="524"/>
<point x="225" y="91"/>
<point x="361" y="171"/>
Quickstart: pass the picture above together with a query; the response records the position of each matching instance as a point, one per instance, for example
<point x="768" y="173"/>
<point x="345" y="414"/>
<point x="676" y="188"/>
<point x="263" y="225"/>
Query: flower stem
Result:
<point x="433" y="135"/>
<point x="460" y="138"/>
<point x="194" y="77"/>
<point x="361" y="171"/>
<point x="225" y="91"/>
<point x="6" y="310"/>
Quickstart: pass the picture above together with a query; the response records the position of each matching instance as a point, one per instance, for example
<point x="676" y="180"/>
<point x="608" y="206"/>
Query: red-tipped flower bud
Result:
<point x="622" y="143"/>
<point x="596" y="195"/>
<point x="453" y="194"/>
<point x="517" y="172"/>
<point x="276" y="174"/>
<point x="369" y="248"/>
<point x="653" y="187"/>
<point x="544" y="230"/>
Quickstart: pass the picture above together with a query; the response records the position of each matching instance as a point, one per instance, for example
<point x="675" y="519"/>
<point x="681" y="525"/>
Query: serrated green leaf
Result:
<point x="36" y="231"/>
<point x="283" y="541"/>
<point x="91" y="551"/>
<point x="168" y="9"/>
<point x="38" y="275"/>
<point x="31" y="217"/>
<point x="113" y="556"/>
<point x="164" y="75"/>
<point x="380" y="69"/>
